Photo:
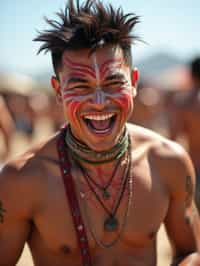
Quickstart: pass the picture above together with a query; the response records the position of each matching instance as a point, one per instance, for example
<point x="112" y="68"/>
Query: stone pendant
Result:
<point x="111" y="224"/>
<point x="105" y="194"/>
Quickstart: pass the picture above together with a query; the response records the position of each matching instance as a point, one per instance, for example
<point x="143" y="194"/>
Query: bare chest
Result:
<point x="54" y="232"/>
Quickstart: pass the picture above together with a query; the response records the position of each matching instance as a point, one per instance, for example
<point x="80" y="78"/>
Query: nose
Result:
<point x="99" y="97"/>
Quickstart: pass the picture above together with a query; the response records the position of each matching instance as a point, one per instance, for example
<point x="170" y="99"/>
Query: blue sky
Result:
<point x="171" y="26"/>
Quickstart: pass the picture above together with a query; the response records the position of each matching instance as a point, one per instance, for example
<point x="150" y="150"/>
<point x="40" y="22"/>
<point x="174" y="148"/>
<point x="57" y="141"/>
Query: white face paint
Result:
<point x="97" y="70"/>
<point x="100" y="95"/>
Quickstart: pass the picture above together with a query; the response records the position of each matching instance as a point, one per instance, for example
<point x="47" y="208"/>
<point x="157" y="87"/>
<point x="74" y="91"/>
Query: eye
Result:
<point x="81" y="89"/>
<point x="117" y="83"/>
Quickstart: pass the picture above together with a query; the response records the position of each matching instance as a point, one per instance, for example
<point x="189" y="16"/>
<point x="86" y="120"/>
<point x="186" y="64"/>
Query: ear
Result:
<point x="134" y="80"/>
<point x="56" y="86"/>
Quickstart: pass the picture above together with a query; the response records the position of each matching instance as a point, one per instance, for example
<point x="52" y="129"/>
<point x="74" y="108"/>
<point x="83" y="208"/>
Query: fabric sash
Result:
<point x="69" y="185"/>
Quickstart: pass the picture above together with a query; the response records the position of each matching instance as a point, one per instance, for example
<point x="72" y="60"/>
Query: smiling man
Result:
<point x="96" y="91"/>
<point x="97" y="192"/>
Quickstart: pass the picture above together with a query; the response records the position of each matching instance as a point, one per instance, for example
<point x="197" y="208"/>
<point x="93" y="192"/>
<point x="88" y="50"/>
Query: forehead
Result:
<point x="99" y="56"/>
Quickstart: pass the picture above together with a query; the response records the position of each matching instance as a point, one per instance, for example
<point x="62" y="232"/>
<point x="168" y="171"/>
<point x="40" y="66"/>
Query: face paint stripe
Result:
<point x="117" y="93"/>
<point x="84" y="72"/>
<point x="99" y="97"/>
<point x="74" y="107"/>
<point x="71" y="97"/>
<point x="96" y="67"/>
<point x="124" y="101"/>
<point x="100" y="71"/>
<point x="108" y="68"/>
<point x="107" y="64"/>
<point x="73" y="74"/>
<point x="82" y="68"/>
<point x="65" y="95"/>
<point x="79" y="73"/>
<point x="70" y="63"/>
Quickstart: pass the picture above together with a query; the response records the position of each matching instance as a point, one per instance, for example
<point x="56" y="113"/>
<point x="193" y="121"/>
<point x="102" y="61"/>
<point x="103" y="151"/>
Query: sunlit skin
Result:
<point x="161" y="172"/>
<point x="102" y="180"/>
<point x="100" y="83"/>
<point x="96" y="84"/>
<point x="113" y="190"/>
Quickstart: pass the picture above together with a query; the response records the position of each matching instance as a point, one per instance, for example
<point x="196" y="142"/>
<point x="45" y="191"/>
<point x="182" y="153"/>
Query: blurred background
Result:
<point x="28" y="110"/>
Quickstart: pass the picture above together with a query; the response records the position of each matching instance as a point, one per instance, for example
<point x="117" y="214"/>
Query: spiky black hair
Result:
<point x="89" y="25"/>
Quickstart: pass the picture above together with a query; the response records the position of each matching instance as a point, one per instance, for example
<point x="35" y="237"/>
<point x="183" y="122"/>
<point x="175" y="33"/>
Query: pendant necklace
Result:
<point x="111" y="223"/>
<point x="104" y="189"/>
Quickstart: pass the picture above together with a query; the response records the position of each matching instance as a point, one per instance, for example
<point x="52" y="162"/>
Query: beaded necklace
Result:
<point x="83" y="153"/>
<point x="111" y="224"/>
<point x="103" y="189"/>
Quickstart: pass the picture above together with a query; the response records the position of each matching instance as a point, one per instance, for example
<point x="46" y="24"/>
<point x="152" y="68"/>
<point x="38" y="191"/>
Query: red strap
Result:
<point x="72" y="199"/>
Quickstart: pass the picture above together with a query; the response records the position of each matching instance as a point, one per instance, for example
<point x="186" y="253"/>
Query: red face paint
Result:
<point x="107" y="65"/>
<point x="73" y="107"/>
<point x="125" y="102"/>
<point x="81" y="68"/>
<point x="80" y="97"/>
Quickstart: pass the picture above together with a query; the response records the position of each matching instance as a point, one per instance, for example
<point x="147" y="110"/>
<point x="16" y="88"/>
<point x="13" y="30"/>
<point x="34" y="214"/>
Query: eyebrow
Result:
<point x="114" y="76"/>
<point x="76" y="79"/>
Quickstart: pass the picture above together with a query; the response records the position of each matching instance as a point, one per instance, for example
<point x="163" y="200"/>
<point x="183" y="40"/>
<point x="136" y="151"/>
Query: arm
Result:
<point x="14" y="222"/>
<point x="182" y="221"/>
<point x="6" y="124"/>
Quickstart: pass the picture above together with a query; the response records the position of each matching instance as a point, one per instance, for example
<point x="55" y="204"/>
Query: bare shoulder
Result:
<point x="22" y="178"/>
<point x="169" y="158"/>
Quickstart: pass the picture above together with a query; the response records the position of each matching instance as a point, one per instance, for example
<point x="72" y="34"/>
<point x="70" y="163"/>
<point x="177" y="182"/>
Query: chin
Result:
<point x="103" y="142"/>
<point x="99" y="131"/>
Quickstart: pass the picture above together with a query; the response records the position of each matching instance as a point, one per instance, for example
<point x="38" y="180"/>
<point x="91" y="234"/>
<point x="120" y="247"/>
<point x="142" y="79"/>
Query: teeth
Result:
<point x="99" y="117"/>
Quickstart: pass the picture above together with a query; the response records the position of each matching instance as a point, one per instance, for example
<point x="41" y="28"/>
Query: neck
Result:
<point x="106" y="175"/>
<point x="82" y="152"/>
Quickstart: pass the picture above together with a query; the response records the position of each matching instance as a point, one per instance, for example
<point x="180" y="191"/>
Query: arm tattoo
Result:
<point x="192" y="212"/>
<point x="2" y="211"/>
<point x="189" y="191"/>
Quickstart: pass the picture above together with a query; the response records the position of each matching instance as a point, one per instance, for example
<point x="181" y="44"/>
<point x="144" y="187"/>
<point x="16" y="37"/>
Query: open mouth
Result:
<point x="100" y="124"/>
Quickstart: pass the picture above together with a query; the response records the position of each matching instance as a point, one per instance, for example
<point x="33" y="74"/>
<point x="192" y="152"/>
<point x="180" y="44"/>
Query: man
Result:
<point x="118" y="182"/>
<point x="185" y="119"/>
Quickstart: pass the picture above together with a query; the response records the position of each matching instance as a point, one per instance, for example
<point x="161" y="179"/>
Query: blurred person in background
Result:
<point x="22" y="113"/>
<point x="7" y="127"/>
<point x="97" y="192"/>
<point x="55" y="112"/>
<point x="147" y="107"/>
<point x="184" y="122"/>
<point x="48" y="113"/>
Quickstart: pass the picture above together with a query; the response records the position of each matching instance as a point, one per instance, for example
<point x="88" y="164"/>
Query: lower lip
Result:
<point x="104" y="132"/>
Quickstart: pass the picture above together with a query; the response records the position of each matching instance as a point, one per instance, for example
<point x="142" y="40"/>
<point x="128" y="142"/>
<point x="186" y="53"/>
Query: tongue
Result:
<point x="100" y="124"/>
